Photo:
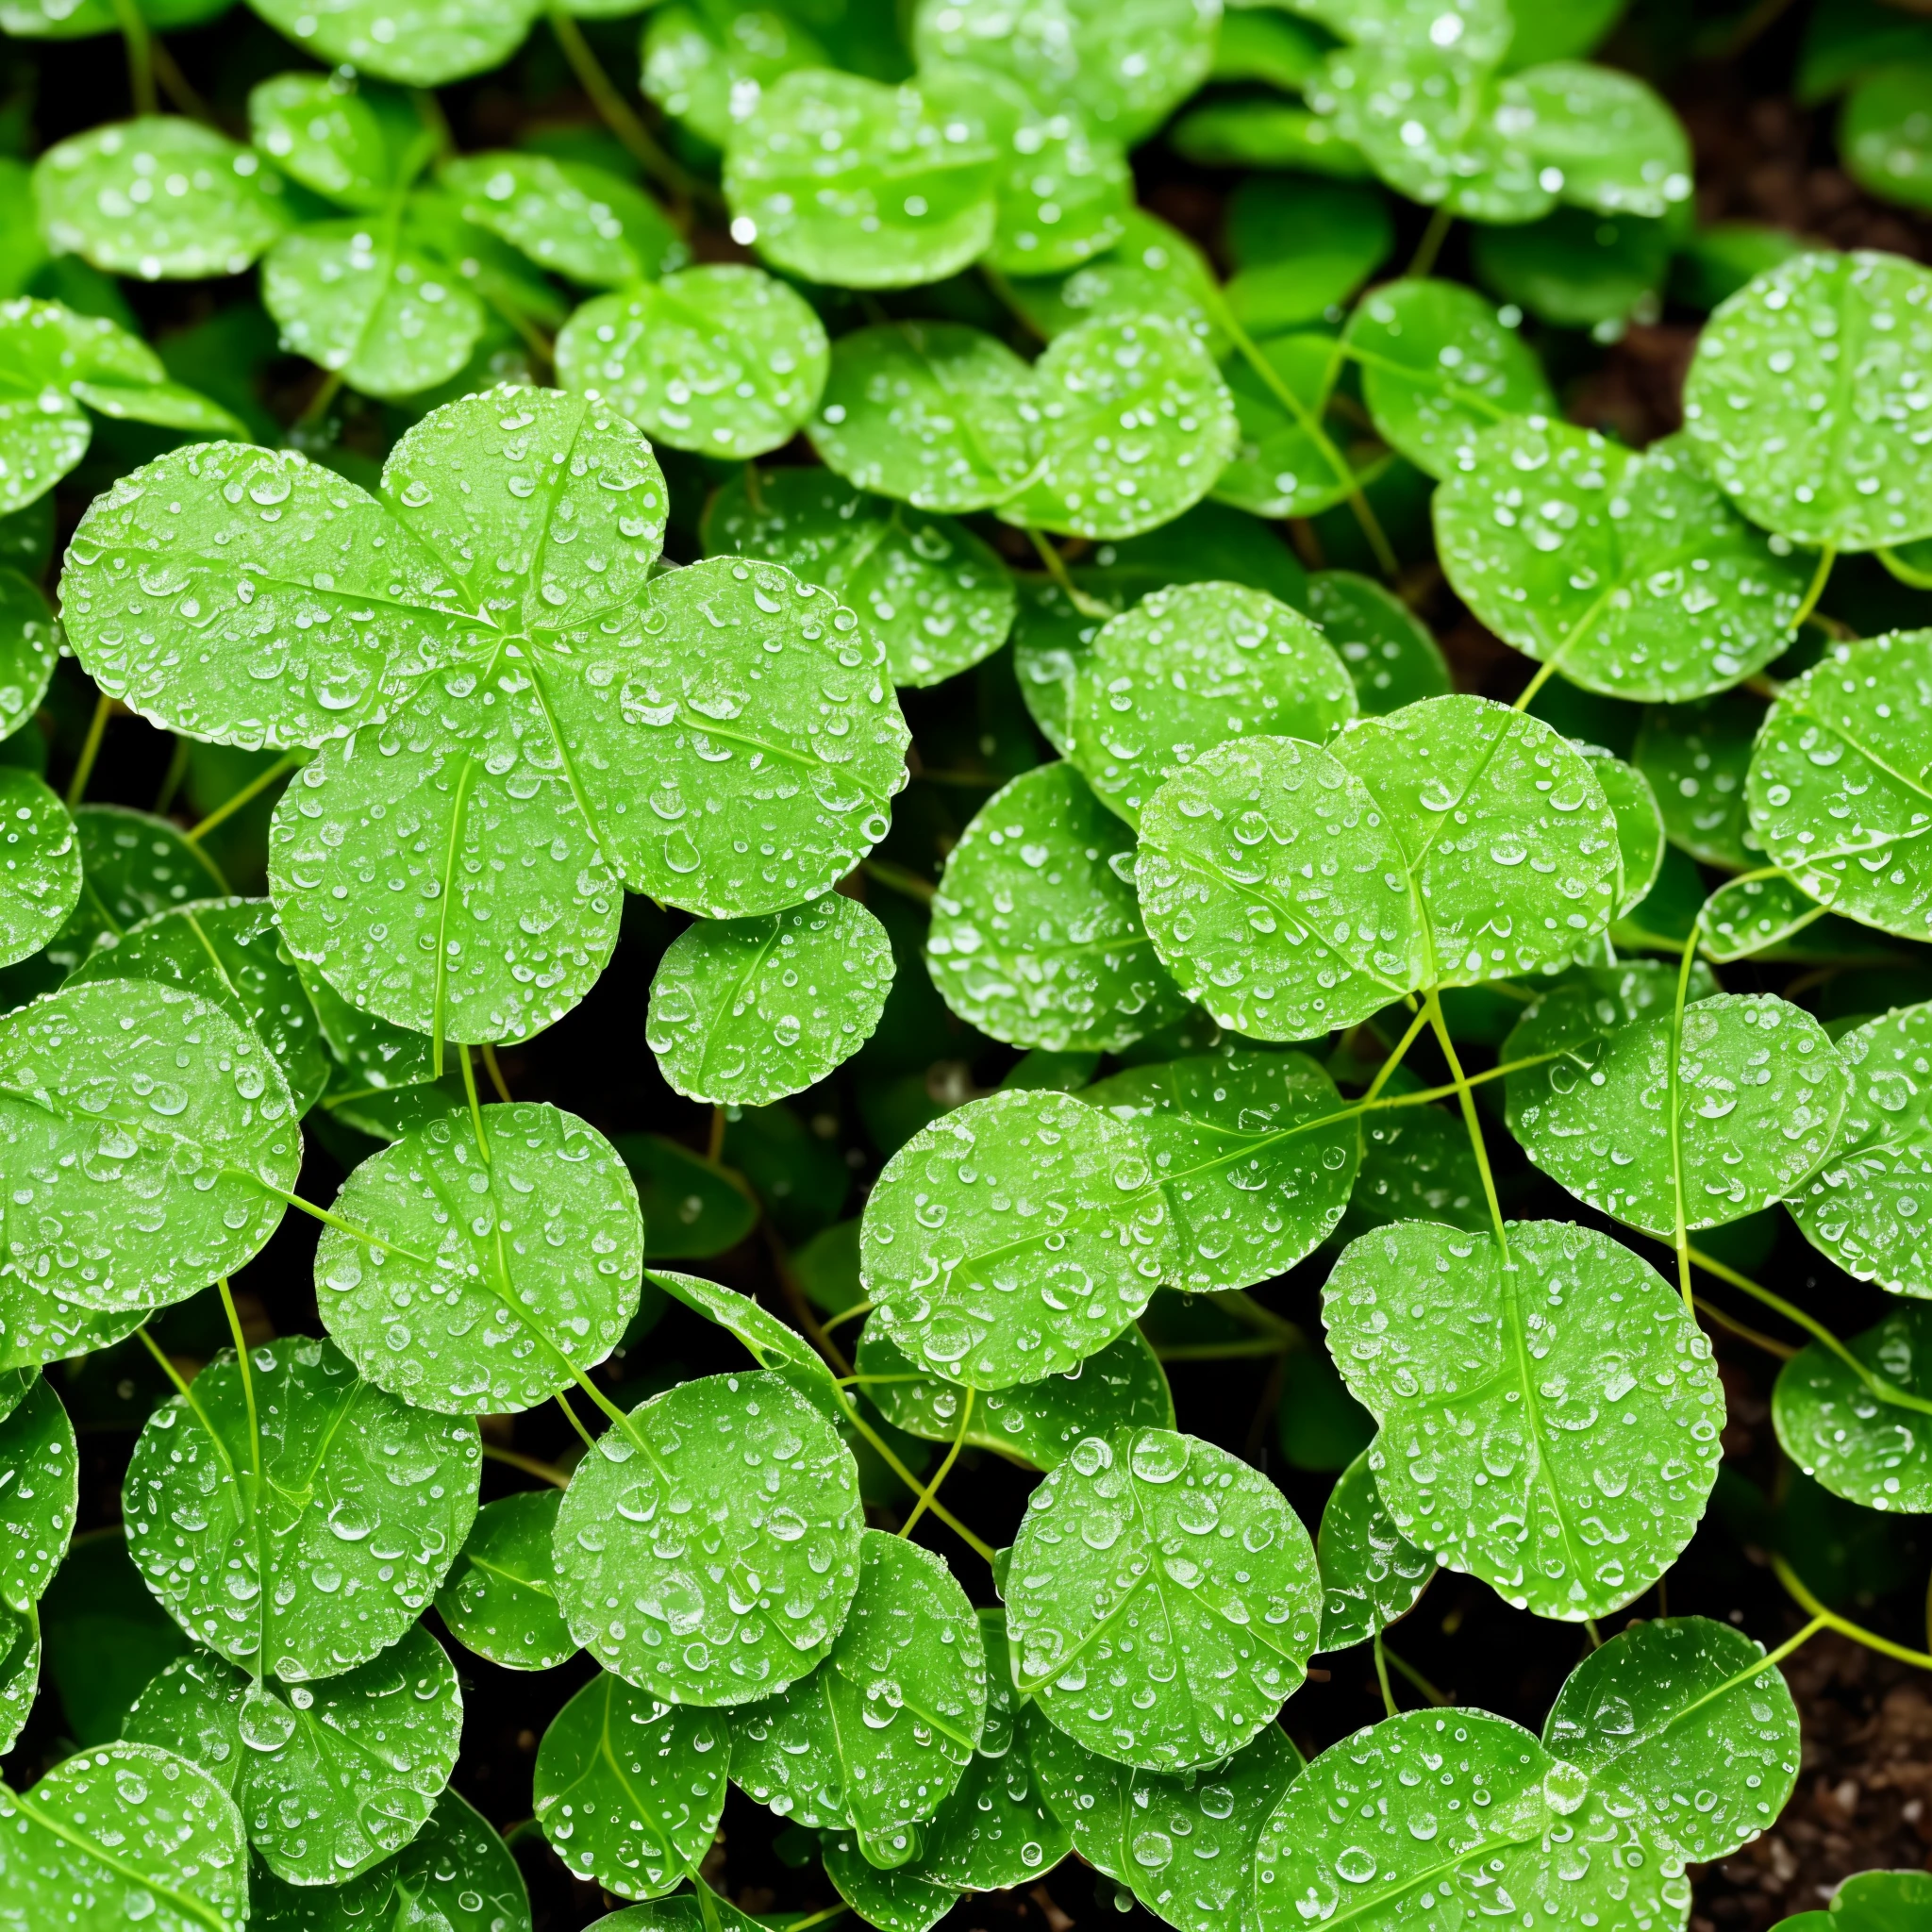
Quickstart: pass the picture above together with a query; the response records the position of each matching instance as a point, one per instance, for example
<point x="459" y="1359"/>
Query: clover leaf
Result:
<point x="40" y="865"/>
<point x="1371" y="1575"/>
<point x="344" y="143"/>
<point x="331" y="1779"/>
<point x="500" y="1597"/>
<point x="1036" y="935"/>
<point x="629" y="1792"/>
<point x="752" y="1596"/>
<point x="1862" y="1426"/>
<point x="1152" y="270"/>
<point x="294" y="1517"/>
<point x="1065" y="189"/>
<point x="39" y="1505"/>
<point x="1013" y="1238"/>
<point x="1575" y="1363"/>
<point x="415" y="42"/>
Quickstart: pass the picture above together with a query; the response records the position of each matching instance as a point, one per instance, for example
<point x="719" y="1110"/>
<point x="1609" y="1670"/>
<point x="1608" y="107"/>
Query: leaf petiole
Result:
<point x="1829" y="1620"/>
<point x="930" y="1491"/>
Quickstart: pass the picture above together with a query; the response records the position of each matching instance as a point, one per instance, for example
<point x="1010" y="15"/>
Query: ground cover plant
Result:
<point x="928" y="989"/>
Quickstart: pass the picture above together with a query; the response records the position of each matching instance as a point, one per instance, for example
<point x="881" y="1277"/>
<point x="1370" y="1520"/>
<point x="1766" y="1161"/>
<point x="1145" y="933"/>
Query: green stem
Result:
<point x="234" y="1316"/>
<point x="1466" y="1098"/>
<point x="140" y="57"/>
<point x="1423" y="262"/>
<point x="845" y="1315"/>
<point x="1057" y="569"/>
<point x="1388" y="1703"/>
<point x="1545" y="672"/>
<point x="1224" y="1351"/>
<point x="1407" y="1670"/>
<point x="326" y="391"/>
<point x="171" y="782"/>
<point x="1386" y="1072"/>
<point x="890" y="1456"/>
<point x="247" y="796"/>
<point x="1680" y="1237"/>
<point x="1827" y="557"/>
<point x="1907" y="574"/>
<point x="896" y="879"/>
<point x="543" y="1472"/>
<point x="584" y="1435"/>
<point x="945" y="1468"/>
<point x="89" y="750"/>
<point x="1783" y="1350"/>
<point x="496" y="1073"/>
<point x="1830" y="1620"/>
<point x="476" y="1104"/>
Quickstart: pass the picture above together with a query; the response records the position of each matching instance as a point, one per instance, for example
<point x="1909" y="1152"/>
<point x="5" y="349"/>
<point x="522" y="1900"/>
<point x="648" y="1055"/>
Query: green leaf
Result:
<point x="1837" y="788"/>
<point x="1509" y="841"/>
<point x="1135" y="424"/>
<point x="319" y="129"/>
<point x="327" y="1557"/>
<point x="158" y="196"/>
<point x="1192" y="667"/>
<point x="1630" y="572"/>
<point x="1884" y="137"/>
<point x="1799" y="399"/>
<point x="1286" y="463"/>
<point x="1579" y="1370"/>
<point x="1684" y="1720"/>
<point x="129" y="1093"/>
<point x="692" y="1209"/>
<point x="1695" y="757"/>
<point x="900" y="1900"/>
<point x="227" y="952"/>
<point x="744" y="1012"/>
<point x="578" y="220"/>
<point x="1034" y="1424"/>
<point x="1274" y="889"/>
<point x="40" y="865"/>
<point x="38" y="1504"/>
<point x="1868" y="1902"/>
<point x="1036" y="935"/>
<point x="750" y="1598"/>
<point x="1301" y="247"/>
<point x="1254" y="1179"/>
<point x="370" y="1053"/>
<point x="629" y="1792"/>
<point x="1388" y="650"/>
<point x="841" y="179"/>
<point x="29" y="645"/>
<point x="1119" y="67"/>
<point x="1162" y="1599"/>
<point x="769" y="1342"/>
<point x="330" y="1779"/>
<point x="722" y="359"/>
<point x="414" y="42"/>
<point x="880" y="1734"/>
<point x="1184" y="1842"/>
<point x="687" y="1912"/>
<point x="500" y="1598"/>
<point x="709" y="72"/>
<point x="20" y="1671"/>
<point x="355" y="296"/>
<point x="934" y="413"/>
<point x="1579" y="269"/>
<point x="1249" y="131"/>
<point x="105" y="1635"/>
<point x="480" y="1266"/>
<point x="456" y="1869"/>
<point x="1480" y="30"/>
<point x="1416" y="1165"/>
<point x="1065" y="189"/>
<point x="1152" y="270"/>
<point x="1867" y="1438"/>
<point x="124" y="1828"/>
<point x="1013" y="1238"/>
<point x="1640" y="825"/>
<point x="1751" y="915"/>
<point x="1439" y="366"/>
<point x="1371" y="1575"/>
<point x="933" y="593"/>
<point x="133" y="867"/>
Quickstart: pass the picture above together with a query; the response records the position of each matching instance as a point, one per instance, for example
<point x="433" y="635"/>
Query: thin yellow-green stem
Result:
<point x="476" y="1102"/>
<point x="845" y="1315"/>
<point x="896" y="879"/>
<point x="1403" y="1668"/>
<point x="1430" y="246"/>
<point x="171" y="780"/>
<point x="248" y="793"/>
<point x="1710" y="1311"/>
<point x="890" y="1457"/>
<point x="818" y="1918"/>
<point x="1057" y="569"/>
<point x="1466" y="1099"/>
<point x="1388" y="1703"/>
<point x="1545" y="672"/>
<point x="1680" y="1235"/>
<point x="1907" y="574"/>
<point x="89" y="750"/>
<point x="714" y="1139"/>
<point x="234" y="1316"/>
<point x="496" y="1073"/>
<point x="1596" y="1636"/>
<point x="575" y="1421"/>
<point x="168" y="1368"/>
<point x="1224" y="1351"/>
<point x="1830" y="1620"/>
<point x="543" y="1472"/>
<point x="139" y="42"/>
<point x="945" y="1468"/>
<point x="1820" y="578"/>
<point x="1387" y="1070"/>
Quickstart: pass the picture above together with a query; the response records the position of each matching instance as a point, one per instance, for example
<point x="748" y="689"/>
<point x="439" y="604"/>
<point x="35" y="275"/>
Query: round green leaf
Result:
<point x="746" y="1011"/>
<point x="38" y="1325"/>
<point x="1602" y="137"/>
<point x="842" y="180"/>
<point x="1640" y="825"/>
<point x="1834" y="786"/>
<point x="1684" y="1719"/>
<point x="1254" y="1171"/>
<point x="120" y="1834"/>
<point x="934" y="594"/>
<point x="1805" y="395"/>
<point x="1416" y="1165"/>
<point x="1036" y="935"/>
<point x="43" y="432"/>
<point x="1869" y="1902"/>
<point x="1152" y="270"/>
<point x="687" y="1912"/>
<point x="41" y="1498"/>
<point x="750" y="1595"/>
<point x="1695" y="757"/>
<point x="1121" y="68"/>
<point x="1274" y="890"/>
<point x="500" y="1597"/>
<point x="1886" y="136"/>
<point x="325" y="1559"/>
<point x="455" y="1867"/>
<point x="227" y="952"/>
<point x="478" y="1265"/>
<point x="880" y="1734"/>
<point x="1134" y="425"/>
<point x="414" y="42"/>
<point x="708" y="72"/>
<point x="1508" y="839"/>
<point x="29" y="645"/>
<point x="578" y="220"/>
<point x="1871" y="1445"/>
<point x="20" y="1671"/>
<point x="159" y="196"/>
<point x="1863" y="1207"/>
<point x="330" y="1779"/>
<point x="1190" y="668"/>
<point x="1064" y="191"/>
<point x="40" y="865"/>
<point x="1631" y="572"/>
<point x="354" y="297"/>
<point x="1753" y="914"/>
<point x="1034" y="1424"/>
<point x="629" y="1792"/>
<point x="934" y="413"/>
<point x="1286" y="463"/>
<point x="1013" y="1238"/>
<point x="318" y="129"/>
<point x="1162" y="1599"/>
<point x="1371" y="1575"/>
<point x="1579" y="1370"/>
<point x="1439" y="366"/>
<point x="150" y="1145"/>
<point x="724" y="359"/>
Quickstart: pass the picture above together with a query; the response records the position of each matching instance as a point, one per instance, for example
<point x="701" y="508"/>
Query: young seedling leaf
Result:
<point x="1036" y="935"/>
<point x="481" y="1264"/>
<point x="724" y="359"/>
<point x="41" y="1499"/>
<point x="1013" y="1238"/>
<point x="629" y="1792"/>
<point x="323" y="1560"/>
<point x="746" y="1011"/>
<point x="1371" y="1575"/>
<point x="1696" y="756"/>
<point x="1867" y="1438"/>
<point x="414" y="42"/>
<point x="749" y="1598"/>
<point x="1578" y="1366"/>
<point x="500" y="1597"/>
<point x="40" y="865"/>
<point x="1388" y="650"/>
<point x="576" y="220"/>
<point x="330" y="1779"/>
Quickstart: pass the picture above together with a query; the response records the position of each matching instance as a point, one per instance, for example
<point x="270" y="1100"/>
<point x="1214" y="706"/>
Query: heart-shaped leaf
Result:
<point x="500" y="1597"/>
